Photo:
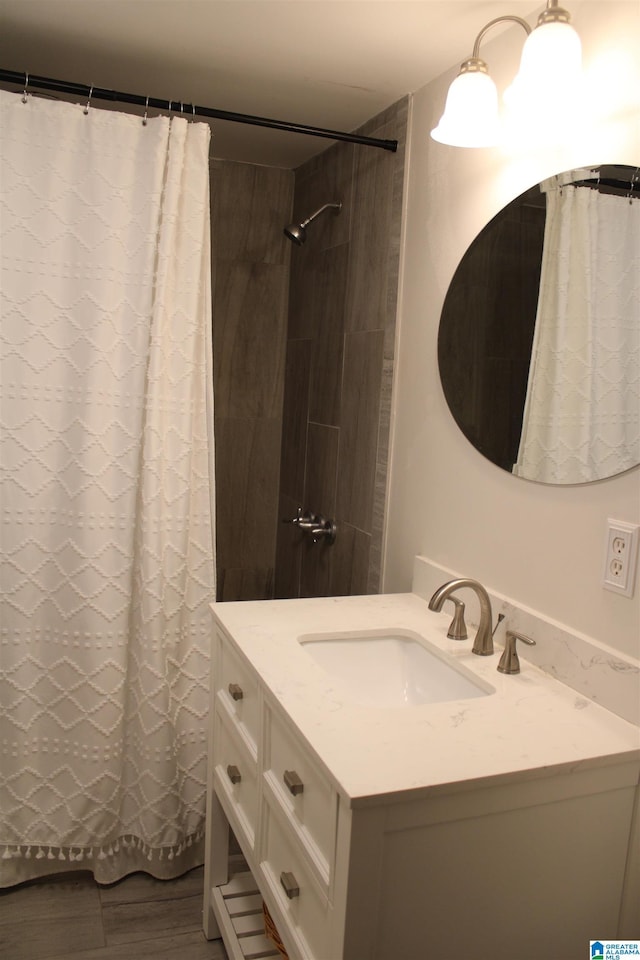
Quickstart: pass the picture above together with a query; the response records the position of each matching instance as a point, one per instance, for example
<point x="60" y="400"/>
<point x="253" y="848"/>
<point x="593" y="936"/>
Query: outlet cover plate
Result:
<point x="621" y="551"/>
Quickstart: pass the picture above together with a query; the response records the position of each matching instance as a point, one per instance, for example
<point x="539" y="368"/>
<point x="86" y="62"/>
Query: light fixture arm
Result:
<point x="508" y="17"/>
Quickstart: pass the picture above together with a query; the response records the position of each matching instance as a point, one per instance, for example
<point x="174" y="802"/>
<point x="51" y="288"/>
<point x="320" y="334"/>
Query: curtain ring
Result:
<point x="146" y="108"/>
<point x="634" y="180"/>
<point x="26" y="84"/>
<point x="193" y="113"/>
<point x="86" y="109"/>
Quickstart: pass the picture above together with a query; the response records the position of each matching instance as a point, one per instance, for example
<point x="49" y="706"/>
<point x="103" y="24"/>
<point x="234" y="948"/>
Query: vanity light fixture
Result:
<point x="550" y="66"/>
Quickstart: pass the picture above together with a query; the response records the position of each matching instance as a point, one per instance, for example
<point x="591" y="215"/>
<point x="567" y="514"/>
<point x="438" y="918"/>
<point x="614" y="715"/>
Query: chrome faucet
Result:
<point x="483" y="643"/>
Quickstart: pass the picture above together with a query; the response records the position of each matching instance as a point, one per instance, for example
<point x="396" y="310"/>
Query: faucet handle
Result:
<point x="458" y="628"/>
<point x="509" y="661"/>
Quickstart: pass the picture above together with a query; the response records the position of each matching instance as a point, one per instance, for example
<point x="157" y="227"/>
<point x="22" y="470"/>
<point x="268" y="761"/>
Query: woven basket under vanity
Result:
<point x="272" y="932"/>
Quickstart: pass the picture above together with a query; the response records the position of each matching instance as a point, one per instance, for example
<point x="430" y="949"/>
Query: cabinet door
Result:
<point x="238" y="689"/>
<point x="297" y="901"/>
<point x="236" y="775"/>
<point x="303" y="792"/>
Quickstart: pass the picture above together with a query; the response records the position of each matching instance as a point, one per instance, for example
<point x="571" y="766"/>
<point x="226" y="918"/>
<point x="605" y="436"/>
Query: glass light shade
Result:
<point x="470" y="117"/>
<point x="551" y="64"/>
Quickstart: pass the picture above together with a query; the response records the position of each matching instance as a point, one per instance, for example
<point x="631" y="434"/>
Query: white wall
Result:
<point x="541" y="545"/>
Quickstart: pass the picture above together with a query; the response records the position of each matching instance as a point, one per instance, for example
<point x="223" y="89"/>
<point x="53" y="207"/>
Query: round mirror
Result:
<point x="539" y="339"/>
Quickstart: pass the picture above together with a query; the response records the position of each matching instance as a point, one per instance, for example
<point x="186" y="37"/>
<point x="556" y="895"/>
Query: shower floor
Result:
<point x="71" y="917"/>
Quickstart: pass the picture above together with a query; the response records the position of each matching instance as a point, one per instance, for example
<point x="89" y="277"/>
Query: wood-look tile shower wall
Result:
<point x="302" y="412"/>
<point x="250" y="263"/>
<point x="339" y="363"/>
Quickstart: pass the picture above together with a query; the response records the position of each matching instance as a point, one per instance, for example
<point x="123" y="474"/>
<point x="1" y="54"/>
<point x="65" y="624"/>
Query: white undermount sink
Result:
<point x="391" y="669"/>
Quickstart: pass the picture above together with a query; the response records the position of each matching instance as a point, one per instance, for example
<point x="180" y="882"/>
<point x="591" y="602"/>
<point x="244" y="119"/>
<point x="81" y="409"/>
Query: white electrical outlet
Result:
<point x="620" y="557"/>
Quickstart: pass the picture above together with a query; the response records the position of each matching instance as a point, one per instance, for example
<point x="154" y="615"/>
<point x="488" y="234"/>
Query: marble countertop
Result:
<point x="531" y="723"/>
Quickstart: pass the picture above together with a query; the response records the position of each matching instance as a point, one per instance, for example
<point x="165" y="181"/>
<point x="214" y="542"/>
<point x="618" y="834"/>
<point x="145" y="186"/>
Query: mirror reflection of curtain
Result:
<point x="582" y="412"/>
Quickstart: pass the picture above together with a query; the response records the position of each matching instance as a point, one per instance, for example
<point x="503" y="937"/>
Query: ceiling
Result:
<point x="327" y="63"/>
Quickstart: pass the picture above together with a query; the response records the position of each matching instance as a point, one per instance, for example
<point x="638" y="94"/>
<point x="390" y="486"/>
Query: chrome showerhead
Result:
<point x="297" y="232"/>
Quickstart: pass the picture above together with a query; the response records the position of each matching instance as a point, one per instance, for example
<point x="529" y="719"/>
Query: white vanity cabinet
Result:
<point x="282" y="807"/>
<point x="505" y="866"/>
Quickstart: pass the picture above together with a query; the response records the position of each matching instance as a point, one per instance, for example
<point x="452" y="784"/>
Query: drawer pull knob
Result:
<point x="290" y="884"/>
<point x="233" y="773"/>
<point x="236" y="691"/>
<point x="293" y="782"/>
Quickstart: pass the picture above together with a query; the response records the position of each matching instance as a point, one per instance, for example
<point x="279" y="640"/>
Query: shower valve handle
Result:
<point x="314" y="525"/>
<point x="296" y="519"/>
<point x="303" y="520"/>
<point x="324" y="530"/>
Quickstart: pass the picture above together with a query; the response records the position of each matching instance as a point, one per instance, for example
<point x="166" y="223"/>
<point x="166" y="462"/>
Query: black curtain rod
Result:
<point x="607" y="182"/>
<point x="26" y="81"/>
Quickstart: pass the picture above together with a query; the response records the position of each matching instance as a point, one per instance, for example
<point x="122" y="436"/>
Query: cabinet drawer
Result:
<point x="236" y="775"/>
<point x="303" y="792"/>
<point x="237" y="688"/>
<point x="299" y="900"/>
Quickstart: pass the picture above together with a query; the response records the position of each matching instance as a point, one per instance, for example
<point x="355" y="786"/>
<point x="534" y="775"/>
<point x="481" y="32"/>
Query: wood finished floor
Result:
<point x="73" y="918"/>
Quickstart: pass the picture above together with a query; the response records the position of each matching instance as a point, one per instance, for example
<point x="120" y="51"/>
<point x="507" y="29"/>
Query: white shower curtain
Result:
<point x="582" y="411"/>
<point x="107" y="491"/>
